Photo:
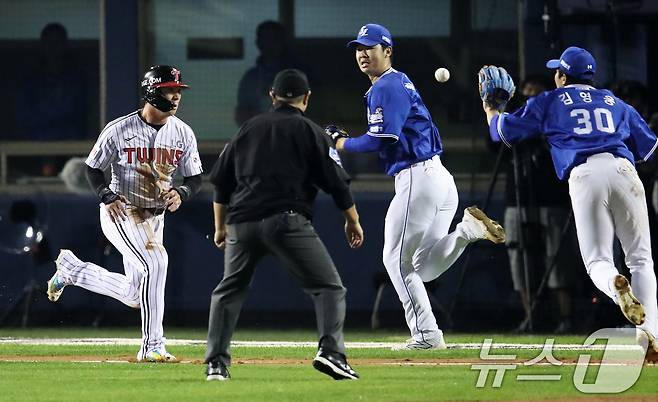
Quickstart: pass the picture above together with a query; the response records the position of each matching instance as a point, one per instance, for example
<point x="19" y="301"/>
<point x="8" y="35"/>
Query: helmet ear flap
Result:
<point x="154" y="97"/>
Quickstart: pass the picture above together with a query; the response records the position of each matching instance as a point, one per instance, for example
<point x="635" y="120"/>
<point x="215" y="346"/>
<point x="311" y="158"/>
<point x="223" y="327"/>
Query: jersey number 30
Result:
<point x="602" y="120"/>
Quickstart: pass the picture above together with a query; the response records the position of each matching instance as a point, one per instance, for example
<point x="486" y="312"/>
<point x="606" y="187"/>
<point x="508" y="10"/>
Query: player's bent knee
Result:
<point x="133" y="303"/>
<point x="598" y="263"/>
<point x="338" y="290"/>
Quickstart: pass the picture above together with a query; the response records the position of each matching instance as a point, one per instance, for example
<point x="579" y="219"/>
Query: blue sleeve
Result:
<point x="388" y="108"/>
<point x="366" y="143"/>
<point x="493" y="128"/>
<point x="520" y="125"/>
<point x="642" y="141"/>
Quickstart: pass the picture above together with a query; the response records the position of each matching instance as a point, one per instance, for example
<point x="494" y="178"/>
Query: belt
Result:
<point x="155" y="211"/>
<point x="424" y="161"/>
<point x="420" y="163"/>
<point x="150" y="211"/>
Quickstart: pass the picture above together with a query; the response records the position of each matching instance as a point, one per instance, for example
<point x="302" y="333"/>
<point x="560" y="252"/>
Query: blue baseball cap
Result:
<point x="372" y="35"/>
<point x="575" y="62"/>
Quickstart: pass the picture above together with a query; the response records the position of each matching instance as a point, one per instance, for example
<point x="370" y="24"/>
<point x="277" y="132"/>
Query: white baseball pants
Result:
<point x="139" y="240"/>
<point x="608" y="199"/>
<point x="417" y="246"/>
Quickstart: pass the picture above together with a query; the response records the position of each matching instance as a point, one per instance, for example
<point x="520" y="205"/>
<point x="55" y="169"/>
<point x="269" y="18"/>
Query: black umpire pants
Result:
<point x="291" y="237"/>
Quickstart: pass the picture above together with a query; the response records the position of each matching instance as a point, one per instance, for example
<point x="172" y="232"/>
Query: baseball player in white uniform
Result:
<point x="595" y="140"/>
<point x="143" y="149"/>
<point x="417" y="245"/>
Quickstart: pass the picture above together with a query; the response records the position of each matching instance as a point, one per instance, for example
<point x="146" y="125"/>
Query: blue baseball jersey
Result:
<point x="396" y="111"/>
<point x="579" y="121"/>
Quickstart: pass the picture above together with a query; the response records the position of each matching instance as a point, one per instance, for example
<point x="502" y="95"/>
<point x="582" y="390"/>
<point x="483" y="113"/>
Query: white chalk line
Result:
<point x="291" y="344"/>
<point x="370" y="363"/>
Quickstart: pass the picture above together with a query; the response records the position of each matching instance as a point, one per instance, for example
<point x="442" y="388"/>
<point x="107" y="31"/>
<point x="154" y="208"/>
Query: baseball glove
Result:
<point x="335" y="132"/>
<point x="496" y="86"/>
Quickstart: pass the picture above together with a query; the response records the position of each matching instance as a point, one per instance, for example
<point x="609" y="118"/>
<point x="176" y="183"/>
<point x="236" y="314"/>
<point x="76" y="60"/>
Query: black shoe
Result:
<point x="334" y="365"/>
<point x="217" y="371"/>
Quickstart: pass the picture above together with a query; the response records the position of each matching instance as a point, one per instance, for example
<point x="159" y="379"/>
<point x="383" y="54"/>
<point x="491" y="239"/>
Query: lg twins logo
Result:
<point x="176" y="74"/>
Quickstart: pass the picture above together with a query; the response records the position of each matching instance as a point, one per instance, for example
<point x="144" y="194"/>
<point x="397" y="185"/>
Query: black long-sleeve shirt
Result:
<point x="277" y="162"/>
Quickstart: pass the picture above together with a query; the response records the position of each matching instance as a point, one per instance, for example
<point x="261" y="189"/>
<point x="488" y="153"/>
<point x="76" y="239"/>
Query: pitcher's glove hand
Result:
<point x="496" y="86"/>
<point x="335" y="132"/>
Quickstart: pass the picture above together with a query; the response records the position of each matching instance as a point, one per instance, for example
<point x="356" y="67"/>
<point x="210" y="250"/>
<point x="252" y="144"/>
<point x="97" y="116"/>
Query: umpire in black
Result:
<point x="266" y="181"/>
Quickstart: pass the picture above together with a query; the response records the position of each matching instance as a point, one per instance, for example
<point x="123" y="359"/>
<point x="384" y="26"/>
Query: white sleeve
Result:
<point x="190" y="163"/>
<point x="105" y="151"/>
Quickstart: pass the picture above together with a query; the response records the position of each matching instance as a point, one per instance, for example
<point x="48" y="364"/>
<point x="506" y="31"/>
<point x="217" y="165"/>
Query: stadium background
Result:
<point x="213" y="43"/>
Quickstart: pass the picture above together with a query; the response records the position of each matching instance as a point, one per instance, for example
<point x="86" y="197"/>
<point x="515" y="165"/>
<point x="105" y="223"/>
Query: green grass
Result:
<point x="68" y="381"/>
<point x="184" y="382"/>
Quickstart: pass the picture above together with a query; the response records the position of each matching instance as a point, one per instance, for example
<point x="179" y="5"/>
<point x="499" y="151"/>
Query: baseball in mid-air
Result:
<point x="442" y="74"/>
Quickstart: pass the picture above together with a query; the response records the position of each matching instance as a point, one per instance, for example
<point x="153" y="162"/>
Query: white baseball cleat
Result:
<point x="488" y="228"/>
<point x="56" y="284"/>
<point x="645" y="338"/>
<point x="629" y="305"/>
<point x="413" y="344"/>
<point x="652" y="350"/>
<point x="157" y="356"/>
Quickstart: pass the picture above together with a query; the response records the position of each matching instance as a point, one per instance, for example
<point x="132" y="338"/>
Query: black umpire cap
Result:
<point x="290" y="83"/>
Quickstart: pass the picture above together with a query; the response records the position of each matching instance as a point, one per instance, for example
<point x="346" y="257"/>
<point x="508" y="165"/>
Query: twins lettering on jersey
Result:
<point x="162" y="156"/>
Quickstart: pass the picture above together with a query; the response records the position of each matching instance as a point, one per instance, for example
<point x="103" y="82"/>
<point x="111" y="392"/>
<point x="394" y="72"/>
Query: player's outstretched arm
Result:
<point x="337" y="135"/>
<point x="489" y="111"/>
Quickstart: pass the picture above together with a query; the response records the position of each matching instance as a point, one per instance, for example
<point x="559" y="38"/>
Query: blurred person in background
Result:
<point x="275" y="55"/>
<point x="544" y="212"/>
<point x="51" y="104"/>
<point x="50" y="99"/>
